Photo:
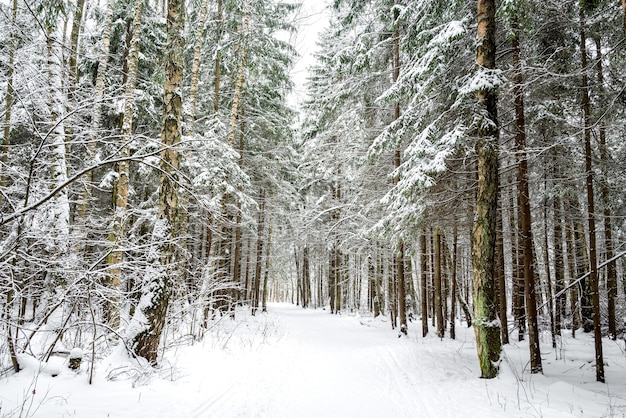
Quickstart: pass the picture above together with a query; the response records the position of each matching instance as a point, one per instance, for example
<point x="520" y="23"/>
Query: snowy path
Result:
<point x="300" y="363"/>
<point x="321" y="367"/>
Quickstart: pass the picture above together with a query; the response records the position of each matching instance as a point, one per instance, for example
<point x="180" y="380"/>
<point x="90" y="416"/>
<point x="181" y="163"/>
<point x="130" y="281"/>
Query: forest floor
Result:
<point x="293" y="362"/>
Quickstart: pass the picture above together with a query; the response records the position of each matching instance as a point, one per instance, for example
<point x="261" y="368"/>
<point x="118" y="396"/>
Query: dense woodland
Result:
<point x="454" y="163"/>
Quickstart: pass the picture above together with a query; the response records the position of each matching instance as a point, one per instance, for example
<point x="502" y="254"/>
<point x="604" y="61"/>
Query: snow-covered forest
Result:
<point x="454" y="177"/>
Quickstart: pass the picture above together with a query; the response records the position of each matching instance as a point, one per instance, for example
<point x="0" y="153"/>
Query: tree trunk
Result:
<point x="267" y="265"/>
<point x="120" y="195"/>
<point x="486" y="325"/>
<point x="611" y="273"/>
<point x="424" y="283"/>
<point x="559" y="267"/>
<point x="259" y="254"/>
<point x="195" y="66"/>
<point x="158" y="283"/>
<point x="73" y="67"/>
<point x="243" y="47"/>
<point x="524" y="210"/>
<point x="500" y="280"/>
<point x="518" y="302"/>
<point x="103" y="60"/>
<point x="593" y="265"/>
<point x="218" y="54"/>
<point x="438" y="287"/>
<point x="454" y="290"/>
<point x="6" y="142"/>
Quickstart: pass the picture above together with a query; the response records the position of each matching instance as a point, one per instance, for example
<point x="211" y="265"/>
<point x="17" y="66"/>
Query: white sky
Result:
<point x="311" y="20"/>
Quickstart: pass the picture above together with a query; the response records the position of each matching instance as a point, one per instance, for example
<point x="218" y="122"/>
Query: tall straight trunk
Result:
<point x="400" y="278"/>
<point x="338" y="277"/>
<point x="611" y="272"/>
<point x="248" y="285"/>
<point x="306" y="277"/>
<point x="438" y="286"/>
<point x="195" y="66"/>
<point x="379" y="279"/>
<point x="518" y="300"/>
<point x="392" y="293"/>
<point x="267" y="265"/>
<point x="73" y="53"/>
<point x="243" y="47"/>
<point x="454" y="290"/>
<point x="549" y="293"/>
<point x="500" y="279"/>
<point x="431" y="281"/>
<point x="524" y="209"/>
<point x="424" y="282"/>
<point x="259" y="254"/>
<point x="59" y="212"/>
<point x="624" y="16"/>
<point x="120" y="195"/>
<point x="158" y="283"/>
<point x="486" y="325"/>
<point x="236" y="257"/>
<point x="6" y="140"/>
<point x="577" y="261"/>
<point x="401" y="290"/>
<point x="593" y="264"/>
<point x="559" y="267"/>
<point x="218" y="55"/>
<point x="103" y="59"/>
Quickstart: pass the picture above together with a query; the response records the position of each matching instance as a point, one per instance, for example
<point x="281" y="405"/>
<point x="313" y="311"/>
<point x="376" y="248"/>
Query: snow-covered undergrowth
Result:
<point x="292" y="362"/>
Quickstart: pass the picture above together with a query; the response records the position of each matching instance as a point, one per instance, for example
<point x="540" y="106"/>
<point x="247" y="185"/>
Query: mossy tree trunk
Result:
<point x="486" y="324"/>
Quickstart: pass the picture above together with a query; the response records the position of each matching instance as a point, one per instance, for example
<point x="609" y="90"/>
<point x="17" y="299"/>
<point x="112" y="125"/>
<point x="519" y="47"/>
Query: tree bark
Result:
<point x="500" y="280"/>
<point x="267" y="266"/>
<point x="438" y="286"/>
<point x="593" y="265"/>
<point x="424" y="282"/>
<point x="486" y="325"/>
<point x="195" y="66"/>
<point x="6" y="142"/>
<point x="559" y="267"/>
<point x="524" y="210"/>
<point x="259" y="254"/>
<point x="158" y="283"/>
<point x="120" y="195"/>
<point x="454" y="290"/>
<point x="611" y="273"/>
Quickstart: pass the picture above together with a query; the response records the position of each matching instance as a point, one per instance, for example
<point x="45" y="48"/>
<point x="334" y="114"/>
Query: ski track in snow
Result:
<point x="304" y="363"/>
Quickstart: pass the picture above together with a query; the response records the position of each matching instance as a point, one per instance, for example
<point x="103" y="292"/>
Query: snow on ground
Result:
<point x="293" y="362"/>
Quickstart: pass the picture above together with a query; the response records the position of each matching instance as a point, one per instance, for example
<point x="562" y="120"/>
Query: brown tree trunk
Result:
<point x="549" y="292"/>
<point x="218" y="54"/>
<point x="486" y="325"/>
<point x="438" y="287"/>
<point x="267" y="266"/>
<point x="195" y="66"/>
<point x="518" y="302"/>
<point x="72" y="61"/>
<point x="424" y="283"/>
<point x="306" y="277"/>
<point x="500" y="280"/>
<point x="593" y="265"/>
<point x="454" y="288"/>
<point x="524" y="210"/>
<point x="559" y="267"/>
<point x="259" y="254"/>
<point x="120" y="194"/>
<point x="6" y="142"/>
<point x="611" y="273"/>
<point x="157" y="288"/>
